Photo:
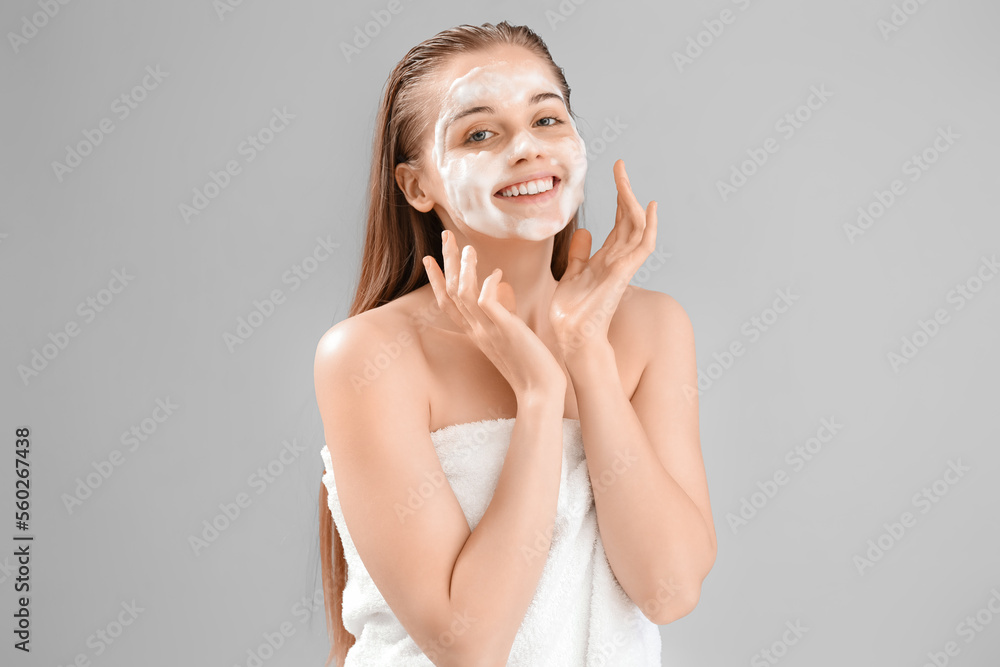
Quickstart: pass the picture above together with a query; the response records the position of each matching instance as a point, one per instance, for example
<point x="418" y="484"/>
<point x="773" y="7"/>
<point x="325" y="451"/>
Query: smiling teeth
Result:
<point x="528" y="188"/>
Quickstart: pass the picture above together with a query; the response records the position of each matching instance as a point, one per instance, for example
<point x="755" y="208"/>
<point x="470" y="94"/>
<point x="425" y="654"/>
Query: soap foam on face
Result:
<point x="470" y="178"/>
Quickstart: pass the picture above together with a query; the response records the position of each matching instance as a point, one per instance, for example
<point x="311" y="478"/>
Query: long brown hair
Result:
<point x="398" y="236"/>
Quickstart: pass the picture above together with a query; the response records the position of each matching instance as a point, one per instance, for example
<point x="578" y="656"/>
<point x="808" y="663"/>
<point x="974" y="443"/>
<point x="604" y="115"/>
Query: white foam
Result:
<point x="471" y="177"/>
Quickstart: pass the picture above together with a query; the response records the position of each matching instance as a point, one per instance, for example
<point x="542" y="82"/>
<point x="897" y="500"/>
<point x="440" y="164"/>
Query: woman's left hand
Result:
<point x="590" y="290"/>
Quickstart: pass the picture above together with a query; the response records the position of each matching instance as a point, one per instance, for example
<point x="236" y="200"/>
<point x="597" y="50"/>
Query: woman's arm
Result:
<point x="497" y="572"/>
<point x="460" y="594"/>
<point x="645" y="462"/>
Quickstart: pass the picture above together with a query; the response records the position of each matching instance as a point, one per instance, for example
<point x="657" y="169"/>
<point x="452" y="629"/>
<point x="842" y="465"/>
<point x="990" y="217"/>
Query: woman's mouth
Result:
<point x="534" y="191"/>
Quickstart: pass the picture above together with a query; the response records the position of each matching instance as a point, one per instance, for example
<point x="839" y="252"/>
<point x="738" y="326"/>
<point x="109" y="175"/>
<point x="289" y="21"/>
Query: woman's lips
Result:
<point x="535" y="198"/>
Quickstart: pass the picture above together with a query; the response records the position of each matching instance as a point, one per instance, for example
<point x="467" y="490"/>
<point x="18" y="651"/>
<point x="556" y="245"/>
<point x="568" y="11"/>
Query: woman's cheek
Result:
<point x="575" y="157"/>
<point x="451" y="173"/>
<point x="468" y="182"/>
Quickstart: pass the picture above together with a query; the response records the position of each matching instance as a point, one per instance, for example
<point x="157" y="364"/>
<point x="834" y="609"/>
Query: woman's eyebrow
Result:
<point x="535" y="99"/>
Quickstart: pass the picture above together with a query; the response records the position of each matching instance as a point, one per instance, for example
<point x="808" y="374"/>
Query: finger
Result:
<point x="579" y="252"/>
<point x="488" y="300"/>
<point x="649" y="236"/>
<point x="633" y="210"/>
<point x="505" y="295"/>
<point x="613" y="236"/>
<point x="630" y="216"/>
<point x="625" y="188"/>
<point x="469" y="288"/>
<point x="637" y="257"/>
<point x="623" y="216"/>
<point x="437" y="281"/>
<point x="449" y="251"/>
<point x="452" y="273"/>
<point x="617" y="242"/>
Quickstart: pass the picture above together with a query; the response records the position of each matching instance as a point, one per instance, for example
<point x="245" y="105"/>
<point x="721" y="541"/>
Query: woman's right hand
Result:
<point x="488" y="317"/>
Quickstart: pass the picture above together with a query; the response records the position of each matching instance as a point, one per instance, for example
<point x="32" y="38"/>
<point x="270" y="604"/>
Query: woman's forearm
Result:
<point x="497" y="571"/>
<point x="657" y="541"/>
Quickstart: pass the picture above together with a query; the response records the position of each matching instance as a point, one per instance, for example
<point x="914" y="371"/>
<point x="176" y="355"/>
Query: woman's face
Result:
<point x="502" y="122"/>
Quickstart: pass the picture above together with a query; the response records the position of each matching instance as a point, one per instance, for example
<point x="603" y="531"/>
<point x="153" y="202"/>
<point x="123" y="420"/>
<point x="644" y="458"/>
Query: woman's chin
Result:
<point x="525" y="227"/>
<point x="538" y="230"/>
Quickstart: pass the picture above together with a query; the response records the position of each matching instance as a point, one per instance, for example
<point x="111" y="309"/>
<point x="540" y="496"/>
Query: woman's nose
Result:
<point x="524" y="146"/>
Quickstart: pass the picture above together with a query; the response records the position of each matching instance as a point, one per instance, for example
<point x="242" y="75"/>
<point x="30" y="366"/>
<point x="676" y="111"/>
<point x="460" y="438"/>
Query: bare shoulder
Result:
<point x="640" y="309"/>
<point x="647" y="320"/>
<point x="659" y="307"/>
<point x="379" y="346"/>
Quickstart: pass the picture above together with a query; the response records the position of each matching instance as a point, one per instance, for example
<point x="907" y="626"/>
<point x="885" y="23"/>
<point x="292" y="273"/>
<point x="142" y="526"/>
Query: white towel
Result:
<point x="579" y="615"/>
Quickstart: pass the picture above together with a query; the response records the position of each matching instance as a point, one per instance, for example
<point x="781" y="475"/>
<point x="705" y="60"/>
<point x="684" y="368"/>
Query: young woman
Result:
<point x="513" y="467"/>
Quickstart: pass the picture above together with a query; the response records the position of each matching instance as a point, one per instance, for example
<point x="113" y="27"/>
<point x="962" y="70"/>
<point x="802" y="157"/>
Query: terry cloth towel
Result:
<point x="579" y="615"/>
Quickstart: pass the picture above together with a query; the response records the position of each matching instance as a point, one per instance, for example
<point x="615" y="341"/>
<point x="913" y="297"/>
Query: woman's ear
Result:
<point x="409" y="182"/>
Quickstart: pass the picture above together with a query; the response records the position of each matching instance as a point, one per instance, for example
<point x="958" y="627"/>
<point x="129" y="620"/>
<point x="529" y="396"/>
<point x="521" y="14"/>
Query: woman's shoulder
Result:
<point x="366" y="366"/>
<point x="644" y="319"/>
<point x="373" y="338"/>
<point x="646" y="307"/>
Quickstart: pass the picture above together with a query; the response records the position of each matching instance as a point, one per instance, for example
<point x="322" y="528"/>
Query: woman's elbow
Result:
<point x="672" y="601"/>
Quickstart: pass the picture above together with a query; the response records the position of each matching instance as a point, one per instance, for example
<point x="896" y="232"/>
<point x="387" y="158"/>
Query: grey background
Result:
<point x="826" y="357"/>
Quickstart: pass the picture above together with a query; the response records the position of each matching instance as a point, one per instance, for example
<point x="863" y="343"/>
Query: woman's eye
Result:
<point x="477" y="133"/>
<point x="477" y="136"/>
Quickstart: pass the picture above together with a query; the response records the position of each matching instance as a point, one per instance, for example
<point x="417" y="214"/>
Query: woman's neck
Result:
<point x="526" y="266"/>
